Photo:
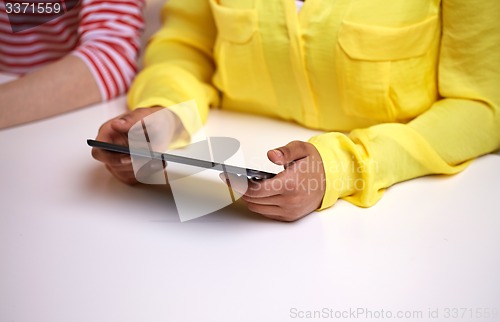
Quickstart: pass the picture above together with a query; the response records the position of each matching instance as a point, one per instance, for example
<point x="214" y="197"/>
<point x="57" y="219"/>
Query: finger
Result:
<point x="271" y="212"/>
<point x="284" y="155"/>
<point x="111" y="158"/>
<point x="276" y="200"/>
<point x="122" y="172"/>
<point x="121" y="124"/>
<point x="268" y="187"/>
<point x="122" y="168"/>
<point x="107" y="134"/>
<point x="265" y="210"/>
<point x="274" y="213"/>
<point x="126" y="177"/>
<point x="124" y="122"/>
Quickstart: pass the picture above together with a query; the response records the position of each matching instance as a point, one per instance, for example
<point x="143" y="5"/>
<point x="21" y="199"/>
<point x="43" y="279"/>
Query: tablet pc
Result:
<point x="250" y="173"/>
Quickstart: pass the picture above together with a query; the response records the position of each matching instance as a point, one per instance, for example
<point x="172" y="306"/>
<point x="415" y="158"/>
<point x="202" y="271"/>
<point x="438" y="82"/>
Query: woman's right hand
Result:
<point x="126" y="126"/>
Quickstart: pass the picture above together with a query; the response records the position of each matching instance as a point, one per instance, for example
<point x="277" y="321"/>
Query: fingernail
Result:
<point x="125" y="160"/>
<point x="122" y="121"/>
<point x="278" y="153"/>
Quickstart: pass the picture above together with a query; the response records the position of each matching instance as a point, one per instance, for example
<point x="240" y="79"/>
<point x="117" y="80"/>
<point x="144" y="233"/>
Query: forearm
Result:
<point x="462" y="125"/>
<point x="59" y="87"/>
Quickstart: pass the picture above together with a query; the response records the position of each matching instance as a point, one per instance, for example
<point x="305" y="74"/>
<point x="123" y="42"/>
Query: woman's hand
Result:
<point x="294" y="192"/>
<point x="127" y="126"/>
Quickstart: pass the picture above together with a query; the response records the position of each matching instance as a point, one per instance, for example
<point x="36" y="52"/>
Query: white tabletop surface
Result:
<point x="77" y="245"/>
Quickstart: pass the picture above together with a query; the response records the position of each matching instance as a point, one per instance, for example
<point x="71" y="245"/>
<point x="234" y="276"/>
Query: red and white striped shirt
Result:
<point x="104" y="34"/>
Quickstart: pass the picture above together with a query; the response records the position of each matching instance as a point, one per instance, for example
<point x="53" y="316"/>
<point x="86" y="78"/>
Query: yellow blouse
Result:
<point x="414" y="83"/>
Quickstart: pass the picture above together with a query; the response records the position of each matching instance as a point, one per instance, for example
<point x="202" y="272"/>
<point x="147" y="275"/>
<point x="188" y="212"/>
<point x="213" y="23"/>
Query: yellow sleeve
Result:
<point x="463" y="124"/>
<point x="178" y="61"/>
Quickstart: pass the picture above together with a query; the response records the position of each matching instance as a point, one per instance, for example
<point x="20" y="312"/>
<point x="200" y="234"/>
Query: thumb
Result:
<point x="291" y="152"/>
<point x="131" y="119"/>
<point x="122" y="124"/>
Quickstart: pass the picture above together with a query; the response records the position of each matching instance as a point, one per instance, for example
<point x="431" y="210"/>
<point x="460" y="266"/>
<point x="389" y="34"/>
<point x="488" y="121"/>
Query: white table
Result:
<point x="77" y="245"/>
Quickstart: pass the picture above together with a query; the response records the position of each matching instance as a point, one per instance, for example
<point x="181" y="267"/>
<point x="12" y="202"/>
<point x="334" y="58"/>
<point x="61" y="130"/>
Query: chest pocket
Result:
<point x="388" y="74"/>
<point x="241" y="72"/>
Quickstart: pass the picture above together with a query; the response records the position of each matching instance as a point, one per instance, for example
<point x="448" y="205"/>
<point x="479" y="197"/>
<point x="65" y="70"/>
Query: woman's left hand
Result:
<point x="294" y="192"/>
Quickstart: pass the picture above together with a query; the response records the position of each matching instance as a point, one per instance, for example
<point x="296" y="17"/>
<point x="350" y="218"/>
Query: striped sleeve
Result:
<point x="110" y="42"/>
<point x="30" y="40"/>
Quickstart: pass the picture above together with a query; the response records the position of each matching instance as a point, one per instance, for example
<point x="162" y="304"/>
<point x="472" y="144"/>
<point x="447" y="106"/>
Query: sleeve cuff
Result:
<point x="343" y="172"/>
